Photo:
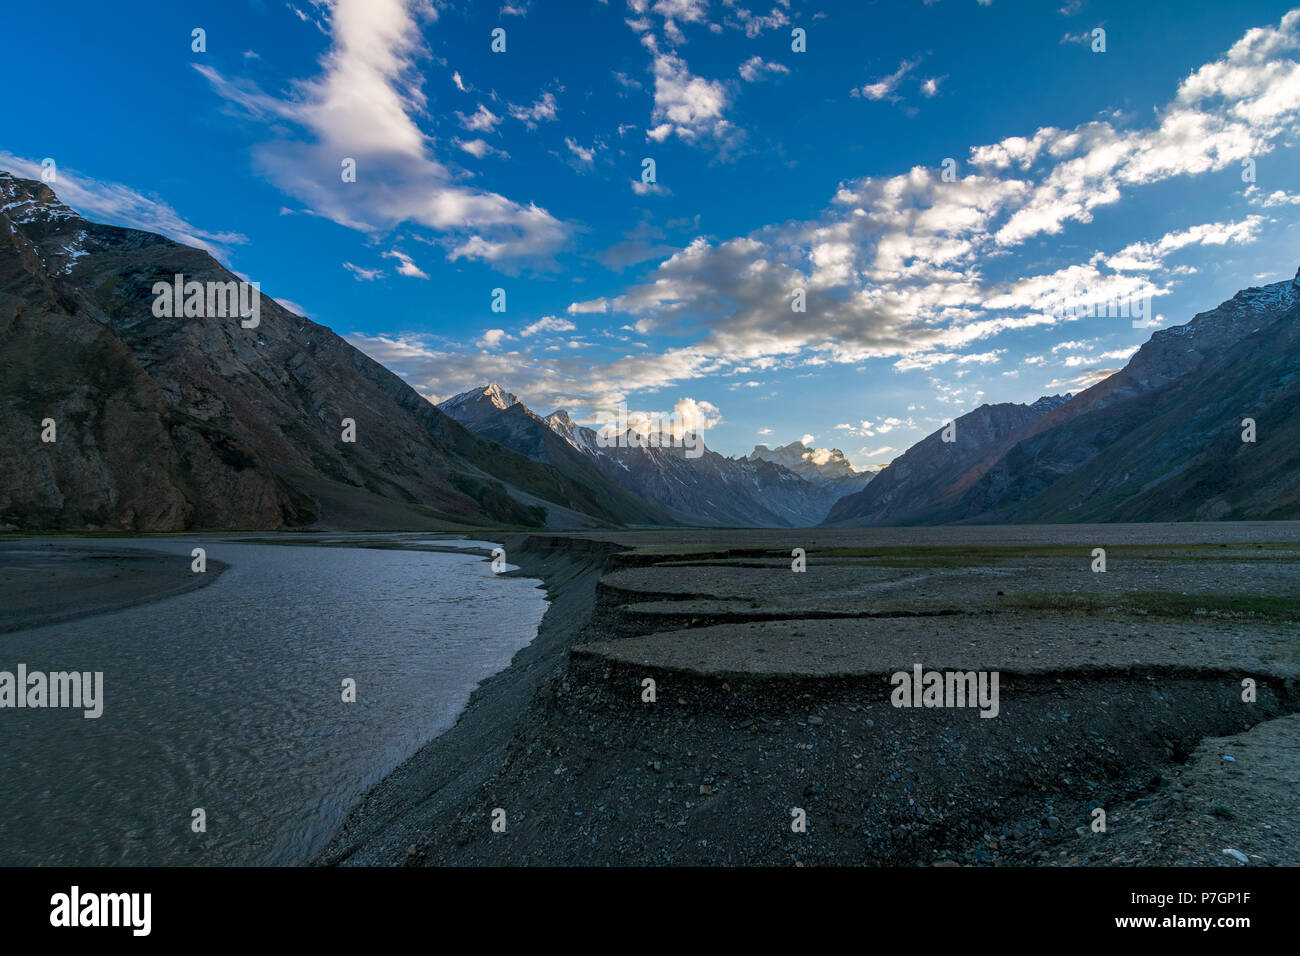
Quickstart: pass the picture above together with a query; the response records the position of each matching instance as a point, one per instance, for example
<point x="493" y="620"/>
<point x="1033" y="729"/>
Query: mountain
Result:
<point x="826" y="467"/>
<point x="166" y="423"/>
<point x="708" y="490"/>
<point x="479" y="406"/>
<point x="1161" y="440"/>
<point x="926" y="480"/>
<point x="499" y="416"/>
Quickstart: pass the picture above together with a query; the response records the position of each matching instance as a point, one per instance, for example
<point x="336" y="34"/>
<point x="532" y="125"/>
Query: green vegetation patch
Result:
<point x="962" y="556"/>
<point x="1159" y="603"/>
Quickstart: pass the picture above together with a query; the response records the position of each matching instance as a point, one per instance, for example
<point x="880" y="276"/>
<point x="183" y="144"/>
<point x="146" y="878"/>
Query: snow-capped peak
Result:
<point x="1049" y="403"/>
<point x="805" y="461"/>
<point x="28" y="201"/>
<point x="579" y="436"/>
<point x="492" y="393"/>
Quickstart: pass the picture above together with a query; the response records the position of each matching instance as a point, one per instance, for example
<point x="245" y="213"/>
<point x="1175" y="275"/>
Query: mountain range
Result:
<point x="1162" y="439"/>
<point x="932" y="473"/>
<point x="119" y="416"/>
<point x="754" y="491"/>
<point x="172" y="423"/>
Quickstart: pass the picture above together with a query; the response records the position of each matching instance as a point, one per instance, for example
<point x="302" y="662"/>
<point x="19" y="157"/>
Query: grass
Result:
<point x="952" y="556"/>
<point x="929" y="561"/>
<point x="1159" y="604"/>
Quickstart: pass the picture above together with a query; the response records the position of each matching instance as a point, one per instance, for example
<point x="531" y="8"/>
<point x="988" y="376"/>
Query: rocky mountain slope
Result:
<point x="1163" y="442"/>
<point x="933" y="474"/>
<point x="499" y="416"/>
<point x="708" y="490"/>
<point x="171" y="423"/>
<point x="1160" y="440"/>
<point x="826" y="467"/>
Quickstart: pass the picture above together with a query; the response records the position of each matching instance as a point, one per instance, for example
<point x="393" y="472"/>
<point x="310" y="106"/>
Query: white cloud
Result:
<point x="542" y="109"/>
<point x="584" y="155"/>
<point x="293" y="306"/>
<point x="478" y="148"/>
<point x="754" y="24"/>
<point x="876" y="452"/>
<point x="650" y="189"/>
<point x="1147" y="256"/>
<point x="362" y="274"/>
<point x="1279" y="197"/>
<point x="688" y="106"/>
<point x="1080" y="382"/>
<point x="114" y="203"/>
<point x="931" y="359"/>
<point x="547" y="323"/>
<point x="688" y="416"/>
<point x="884" y="87"/>
<point x="363" y="105"/>
<point x="482" y="120"/>
<point x="405" y="266"/>
<point x="754" y="68"/>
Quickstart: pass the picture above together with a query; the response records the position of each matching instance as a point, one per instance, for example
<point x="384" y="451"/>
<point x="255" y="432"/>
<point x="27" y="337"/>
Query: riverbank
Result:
<point x="451" y="768"/>
<point x="47" y="582"/>
<point x="772" y="696"/>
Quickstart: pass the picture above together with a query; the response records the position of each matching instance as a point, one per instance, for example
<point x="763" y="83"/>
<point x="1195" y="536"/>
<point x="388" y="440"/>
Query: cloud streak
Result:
<point x="362" y="106"/>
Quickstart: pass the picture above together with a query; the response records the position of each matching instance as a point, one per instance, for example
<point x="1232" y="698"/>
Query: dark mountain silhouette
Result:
<point x="933" y="474"/>
<point x="181" y="423"/>
<point x="1160" y="440"/>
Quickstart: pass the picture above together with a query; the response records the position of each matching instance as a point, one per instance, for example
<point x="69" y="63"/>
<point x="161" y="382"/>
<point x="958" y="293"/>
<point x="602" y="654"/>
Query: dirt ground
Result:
<point x="773" y="704"/>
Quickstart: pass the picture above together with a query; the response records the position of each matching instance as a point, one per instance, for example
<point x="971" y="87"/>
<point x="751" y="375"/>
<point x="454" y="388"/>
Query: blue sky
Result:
<point x="1078" y="176"/>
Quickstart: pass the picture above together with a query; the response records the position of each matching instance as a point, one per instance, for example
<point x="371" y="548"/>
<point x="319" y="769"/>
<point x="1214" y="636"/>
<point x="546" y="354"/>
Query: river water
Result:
<point x="229" y="698"/>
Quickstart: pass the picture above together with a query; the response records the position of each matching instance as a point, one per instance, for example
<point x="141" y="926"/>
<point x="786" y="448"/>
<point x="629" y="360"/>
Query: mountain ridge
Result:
<point x="171" y="423"/>
<point x="707" y="490"/>
<point x="934" y="472"/>
<point x="1081" y="460"/>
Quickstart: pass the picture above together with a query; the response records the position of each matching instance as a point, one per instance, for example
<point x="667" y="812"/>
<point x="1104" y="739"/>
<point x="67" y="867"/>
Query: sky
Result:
<point x="839" y="222"/>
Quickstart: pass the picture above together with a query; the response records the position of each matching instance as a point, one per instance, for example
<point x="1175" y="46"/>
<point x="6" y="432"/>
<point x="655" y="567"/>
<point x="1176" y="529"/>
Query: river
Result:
<point x="229" y="699"/>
